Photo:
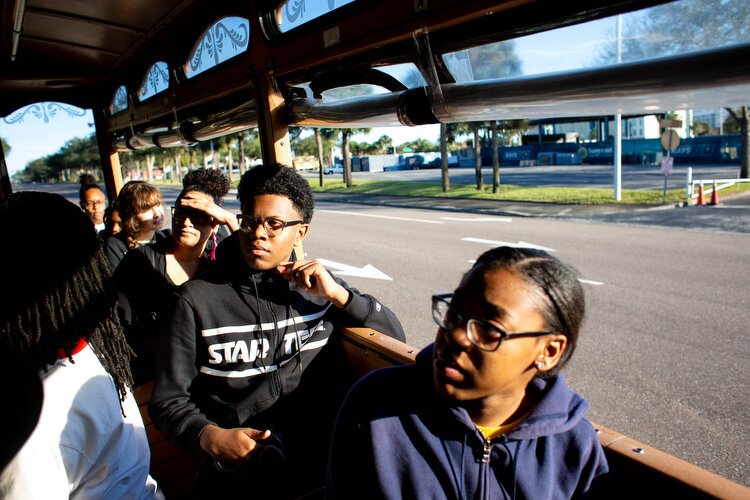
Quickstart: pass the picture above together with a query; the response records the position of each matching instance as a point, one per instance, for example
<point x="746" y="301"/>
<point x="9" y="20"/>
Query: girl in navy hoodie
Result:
<point x="484" y="412"/>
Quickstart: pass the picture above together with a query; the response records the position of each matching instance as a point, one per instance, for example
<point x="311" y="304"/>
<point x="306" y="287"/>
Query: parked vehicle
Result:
<point x="336" y="169"/>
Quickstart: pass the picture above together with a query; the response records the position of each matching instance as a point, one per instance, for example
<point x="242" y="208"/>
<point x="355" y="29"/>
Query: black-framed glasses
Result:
<point x="481" y="333"/>
<point x="272" y="227"/>
<point x="94" y="203"/>
<point x="180" y="214"/>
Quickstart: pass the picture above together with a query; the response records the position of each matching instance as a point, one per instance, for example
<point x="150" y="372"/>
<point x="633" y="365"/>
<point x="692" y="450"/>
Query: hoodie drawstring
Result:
<point x="260" y="323"/>
<point x="458" y="479"/>
<point x="513" y="458"/>
<point x="289" y="315"/>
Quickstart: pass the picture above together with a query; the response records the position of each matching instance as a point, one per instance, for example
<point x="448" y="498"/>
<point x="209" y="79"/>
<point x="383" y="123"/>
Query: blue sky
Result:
<point x="558" y="50"/>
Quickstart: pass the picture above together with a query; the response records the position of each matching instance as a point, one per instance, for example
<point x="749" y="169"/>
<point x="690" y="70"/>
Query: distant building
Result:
<point x="714" y="118"/>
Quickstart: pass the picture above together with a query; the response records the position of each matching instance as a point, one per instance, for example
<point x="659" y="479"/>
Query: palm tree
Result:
<point x="345" y="132"/>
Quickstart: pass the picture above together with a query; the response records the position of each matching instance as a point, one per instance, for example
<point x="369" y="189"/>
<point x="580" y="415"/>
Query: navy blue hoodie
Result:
<point x="396" y="437"/>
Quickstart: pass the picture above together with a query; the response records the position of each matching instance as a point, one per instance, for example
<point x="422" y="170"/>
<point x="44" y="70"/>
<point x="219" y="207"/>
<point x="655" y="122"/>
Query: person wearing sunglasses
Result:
<point x="149" y="274"/>
<point x="247" y="377"/>
<point x="484" y="411"/>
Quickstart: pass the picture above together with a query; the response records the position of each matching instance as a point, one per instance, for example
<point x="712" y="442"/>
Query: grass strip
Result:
<point x="507" y="192"/>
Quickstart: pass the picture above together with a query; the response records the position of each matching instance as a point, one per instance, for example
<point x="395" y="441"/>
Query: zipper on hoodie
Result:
<point x="484" y="468"/>
<point x="486" y="452"/>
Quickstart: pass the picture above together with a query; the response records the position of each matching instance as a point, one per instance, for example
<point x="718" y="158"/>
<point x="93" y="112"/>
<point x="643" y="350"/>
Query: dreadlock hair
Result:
<point x="560" y="294"/>
<point x="59" y="289"/>
<point x="279" y="180"/>
<point x="207" y="181"/>
<point x="136" y="197"/>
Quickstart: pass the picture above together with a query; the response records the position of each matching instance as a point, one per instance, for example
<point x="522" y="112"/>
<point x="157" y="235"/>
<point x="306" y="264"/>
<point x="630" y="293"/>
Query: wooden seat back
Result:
<point x="174" y="469"/>
<point x="636" y="470"/>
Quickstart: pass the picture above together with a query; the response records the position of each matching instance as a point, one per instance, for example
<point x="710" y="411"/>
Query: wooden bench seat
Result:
<point x="636" y="469"/>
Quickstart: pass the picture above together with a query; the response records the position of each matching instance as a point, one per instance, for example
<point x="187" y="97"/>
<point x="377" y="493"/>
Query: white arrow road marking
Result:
<point x="479" y="219"/>
<point x="368" y="271"/>
<point x="590" y="282"/>
<point x="382" y="217"/>
<point x="519" y="244"/>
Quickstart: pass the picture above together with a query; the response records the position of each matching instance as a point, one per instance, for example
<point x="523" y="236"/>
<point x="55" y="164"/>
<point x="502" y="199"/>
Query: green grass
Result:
<point x="735" y="189"/>
<point x="578" y="196"/>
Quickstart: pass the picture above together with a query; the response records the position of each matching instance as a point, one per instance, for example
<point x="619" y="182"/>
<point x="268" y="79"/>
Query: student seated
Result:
<point x="93" y="201"/>
<point x="149" y="275"/>
<point x="58" y="319"/>
<point x="141" y="210"/>
<point x="484" y="412"/>
<point x="245" y="374"/>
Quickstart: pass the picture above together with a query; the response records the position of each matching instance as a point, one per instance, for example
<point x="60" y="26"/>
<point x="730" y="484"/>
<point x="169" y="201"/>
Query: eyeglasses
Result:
<point x="180" y="214"/>
<point x="272" y="227"/>
<point x="94" y="204"/>
<point x="482" y="334"/>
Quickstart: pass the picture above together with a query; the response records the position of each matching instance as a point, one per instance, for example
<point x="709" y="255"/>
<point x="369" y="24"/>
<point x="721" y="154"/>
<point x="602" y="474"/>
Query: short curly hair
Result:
<point x="279" y="180"/>
<point x="208" y="181"/>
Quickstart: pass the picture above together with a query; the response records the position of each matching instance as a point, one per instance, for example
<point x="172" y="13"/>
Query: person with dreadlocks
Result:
<point x="58" y="318"/>
<point x="149" y="274"/>
<point x="246" y="375"/>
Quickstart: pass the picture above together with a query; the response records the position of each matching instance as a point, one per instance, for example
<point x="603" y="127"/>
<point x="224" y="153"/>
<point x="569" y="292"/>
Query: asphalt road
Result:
<point x="663" y="355"/>
<point x="633" y="176"/>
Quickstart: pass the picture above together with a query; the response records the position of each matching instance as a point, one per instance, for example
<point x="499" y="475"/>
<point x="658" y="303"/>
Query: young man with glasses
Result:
<point x="484" y="412"/>
<point x="246" y="375"/>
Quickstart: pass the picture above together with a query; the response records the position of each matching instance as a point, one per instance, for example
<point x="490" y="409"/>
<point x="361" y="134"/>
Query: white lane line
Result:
<point x="521" y="244"/>
<point x="479" y="219"/>
<point x="408" y="219"/>
<point x="590" y="282"/>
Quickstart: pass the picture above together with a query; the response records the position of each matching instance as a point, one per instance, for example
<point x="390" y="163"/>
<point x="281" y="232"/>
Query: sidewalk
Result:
<point x="489" y="207"/>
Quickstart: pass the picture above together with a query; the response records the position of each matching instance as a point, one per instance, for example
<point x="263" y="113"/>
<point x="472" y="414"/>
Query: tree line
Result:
<point x="691" y="23"/>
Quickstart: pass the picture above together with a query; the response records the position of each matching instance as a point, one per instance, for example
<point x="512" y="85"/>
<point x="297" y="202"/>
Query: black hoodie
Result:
<point x="229" y="354"/>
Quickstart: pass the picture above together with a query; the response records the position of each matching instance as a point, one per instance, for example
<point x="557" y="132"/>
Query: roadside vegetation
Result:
<point x="506" y="192"/>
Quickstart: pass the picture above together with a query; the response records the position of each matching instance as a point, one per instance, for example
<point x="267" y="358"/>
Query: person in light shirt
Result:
<point x="58" y="319"/>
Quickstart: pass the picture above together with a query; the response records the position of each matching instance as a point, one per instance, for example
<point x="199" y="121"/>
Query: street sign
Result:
<point x="670" y="140"/>
<point x="667" y="163"/>
<point x="670" y="123"/>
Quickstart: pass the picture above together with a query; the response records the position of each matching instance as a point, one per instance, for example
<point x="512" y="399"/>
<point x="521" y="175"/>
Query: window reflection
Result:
<point x="223" y="40"/>
<point x="664" y="30"/>
<point x="157" y="80"/>
<point x="120" y="101"/>
<point x="294" y="13"/>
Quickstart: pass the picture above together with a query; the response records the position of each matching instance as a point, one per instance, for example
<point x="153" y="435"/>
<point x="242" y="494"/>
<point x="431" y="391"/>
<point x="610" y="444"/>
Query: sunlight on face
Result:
<point x="151" y="219"/>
